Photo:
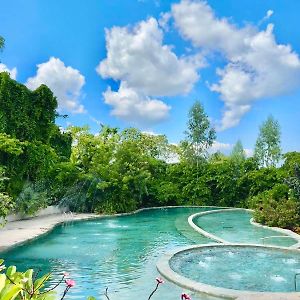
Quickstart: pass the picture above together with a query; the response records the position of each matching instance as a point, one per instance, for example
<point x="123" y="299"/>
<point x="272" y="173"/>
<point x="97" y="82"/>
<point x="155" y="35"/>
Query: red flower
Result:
<point x="70" y="283"/>
<point x="159" y="280"/>
<point x="185" y="296"/>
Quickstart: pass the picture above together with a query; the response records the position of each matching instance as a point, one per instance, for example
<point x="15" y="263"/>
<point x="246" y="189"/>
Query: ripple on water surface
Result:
<point x="118" y="252"/>
<point x="240" y="268"/>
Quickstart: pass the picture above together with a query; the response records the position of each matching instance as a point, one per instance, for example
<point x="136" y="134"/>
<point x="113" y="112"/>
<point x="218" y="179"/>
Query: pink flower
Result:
<point x="185" y="296"/>
<point x="70" y="283"/>
<point x="159" y="280"/>
<point x="66" y="274"/>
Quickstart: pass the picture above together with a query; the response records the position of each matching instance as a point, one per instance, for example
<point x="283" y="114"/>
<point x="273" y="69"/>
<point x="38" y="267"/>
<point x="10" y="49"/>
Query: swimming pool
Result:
<point x="115" y="252"/>
<point x="121" y="252"/>
<point x="233" y="226"/>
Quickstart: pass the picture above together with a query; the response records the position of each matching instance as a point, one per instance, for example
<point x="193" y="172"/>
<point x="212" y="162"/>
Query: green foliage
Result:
<point x="6" y="202"/>
<point x="267" y="148"/>
<point x="27" y="285"/>
<point x="61" y="142"/>
<point x="280" y="213"/>
<point x="291" y="159"/>
<point x="30" y="142"/>
<point x="120" y="171"/>
<point x="238" y="155"/>
<point x="276" y="207"/>
<point x="292" y="167"/>
<point x="278" y="192"/>
<point x="294" y="182"/>
<point x="23" y="285"/>
<point x="9" y="145"/>
<point x="32" y="198"/>
<point x="26" y="115"/>
<point x="6" y="205"/>
<point x="254" y="182"/>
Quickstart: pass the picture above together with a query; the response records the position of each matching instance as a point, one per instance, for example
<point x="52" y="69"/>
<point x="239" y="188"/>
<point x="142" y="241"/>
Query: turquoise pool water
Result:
<point x="247" y="268"/>
<point x="117" y="252"/>
<point x="234" y="227"/>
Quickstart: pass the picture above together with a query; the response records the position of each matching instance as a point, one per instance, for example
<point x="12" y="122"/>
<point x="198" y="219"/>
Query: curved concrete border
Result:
<point x="281" y="230"/>
<point x="163" y="267"/>
<point x="287" y="232"/>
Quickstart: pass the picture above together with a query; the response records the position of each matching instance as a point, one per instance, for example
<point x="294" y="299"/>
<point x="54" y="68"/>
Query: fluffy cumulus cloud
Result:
<point x="135" y="108"/>
<point x="12" y="72"/>
<point x="257" y="66"/>
<point x="146" y="68"/>
<point x="65" y="82"/>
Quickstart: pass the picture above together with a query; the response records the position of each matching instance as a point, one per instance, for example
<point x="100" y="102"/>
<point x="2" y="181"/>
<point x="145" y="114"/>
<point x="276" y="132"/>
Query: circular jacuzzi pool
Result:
<point x="233" y="269"/>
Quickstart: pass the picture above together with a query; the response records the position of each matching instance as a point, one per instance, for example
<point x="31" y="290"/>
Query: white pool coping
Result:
<point x="163" y="266"/>
<point x="286" y="232"/>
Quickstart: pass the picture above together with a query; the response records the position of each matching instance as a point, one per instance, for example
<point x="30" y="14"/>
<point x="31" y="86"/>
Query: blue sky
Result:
<point x="144" y="63"/>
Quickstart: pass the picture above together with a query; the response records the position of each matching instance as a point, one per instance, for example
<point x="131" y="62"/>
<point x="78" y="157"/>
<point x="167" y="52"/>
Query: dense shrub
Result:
<point x="276" y="207"/>
<point x="283" y="213"/>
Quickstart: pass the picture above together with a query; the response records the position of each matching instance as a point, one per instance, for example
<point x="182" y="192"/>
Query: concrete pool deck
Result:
<point x="18" y="232"/>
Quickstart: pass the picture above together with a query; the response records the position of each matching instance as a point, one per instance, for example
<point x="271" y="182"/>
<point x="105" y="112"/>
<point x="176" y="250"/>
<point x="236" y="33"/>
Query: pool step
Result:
<point x="182" y="225"/>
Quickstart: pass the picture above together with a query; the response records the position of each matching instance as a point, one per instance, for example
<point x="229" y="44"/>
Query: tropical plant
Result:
<point x="26" y="285"/>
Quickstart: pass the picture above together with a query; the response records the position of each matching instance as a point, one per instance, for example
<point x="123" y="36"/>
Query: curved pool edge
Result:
<point x="33" y="234"/>
<point x="280" y="230"/>
<point x="45" y="229"/>
<point x="163" y="267"/>
<point x="287" y="232"/>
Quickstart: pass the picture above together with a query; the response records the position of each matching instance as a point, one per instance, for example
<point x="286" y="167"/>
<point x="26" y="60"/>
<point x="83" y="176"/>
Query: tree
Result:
<point x="238" y="153"/>
<point x="267" y="148"/>
<point x="199" y="134"/>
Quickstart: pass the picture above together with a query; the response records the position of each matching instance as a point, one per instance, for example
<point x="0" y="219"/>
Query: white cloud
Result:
<point x="226" y="148"/>
<point x="257" y="66"/>
<point x="12" y="72"/>
<point x="65" y="82"/>
<point x="139" y="57"/>
<point x="267" y="16"/>
<point x="249" y="152"/>
<point x="219" y="146"/>
<point x="164" y="20"/>
<point x="269" y="13"/>
<point x="197" y="22"/>
<point x="134" y="107"/>
<point x="98" y="122"/>
<point x="141" y="62"/>
<point x="150" y="132"/>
